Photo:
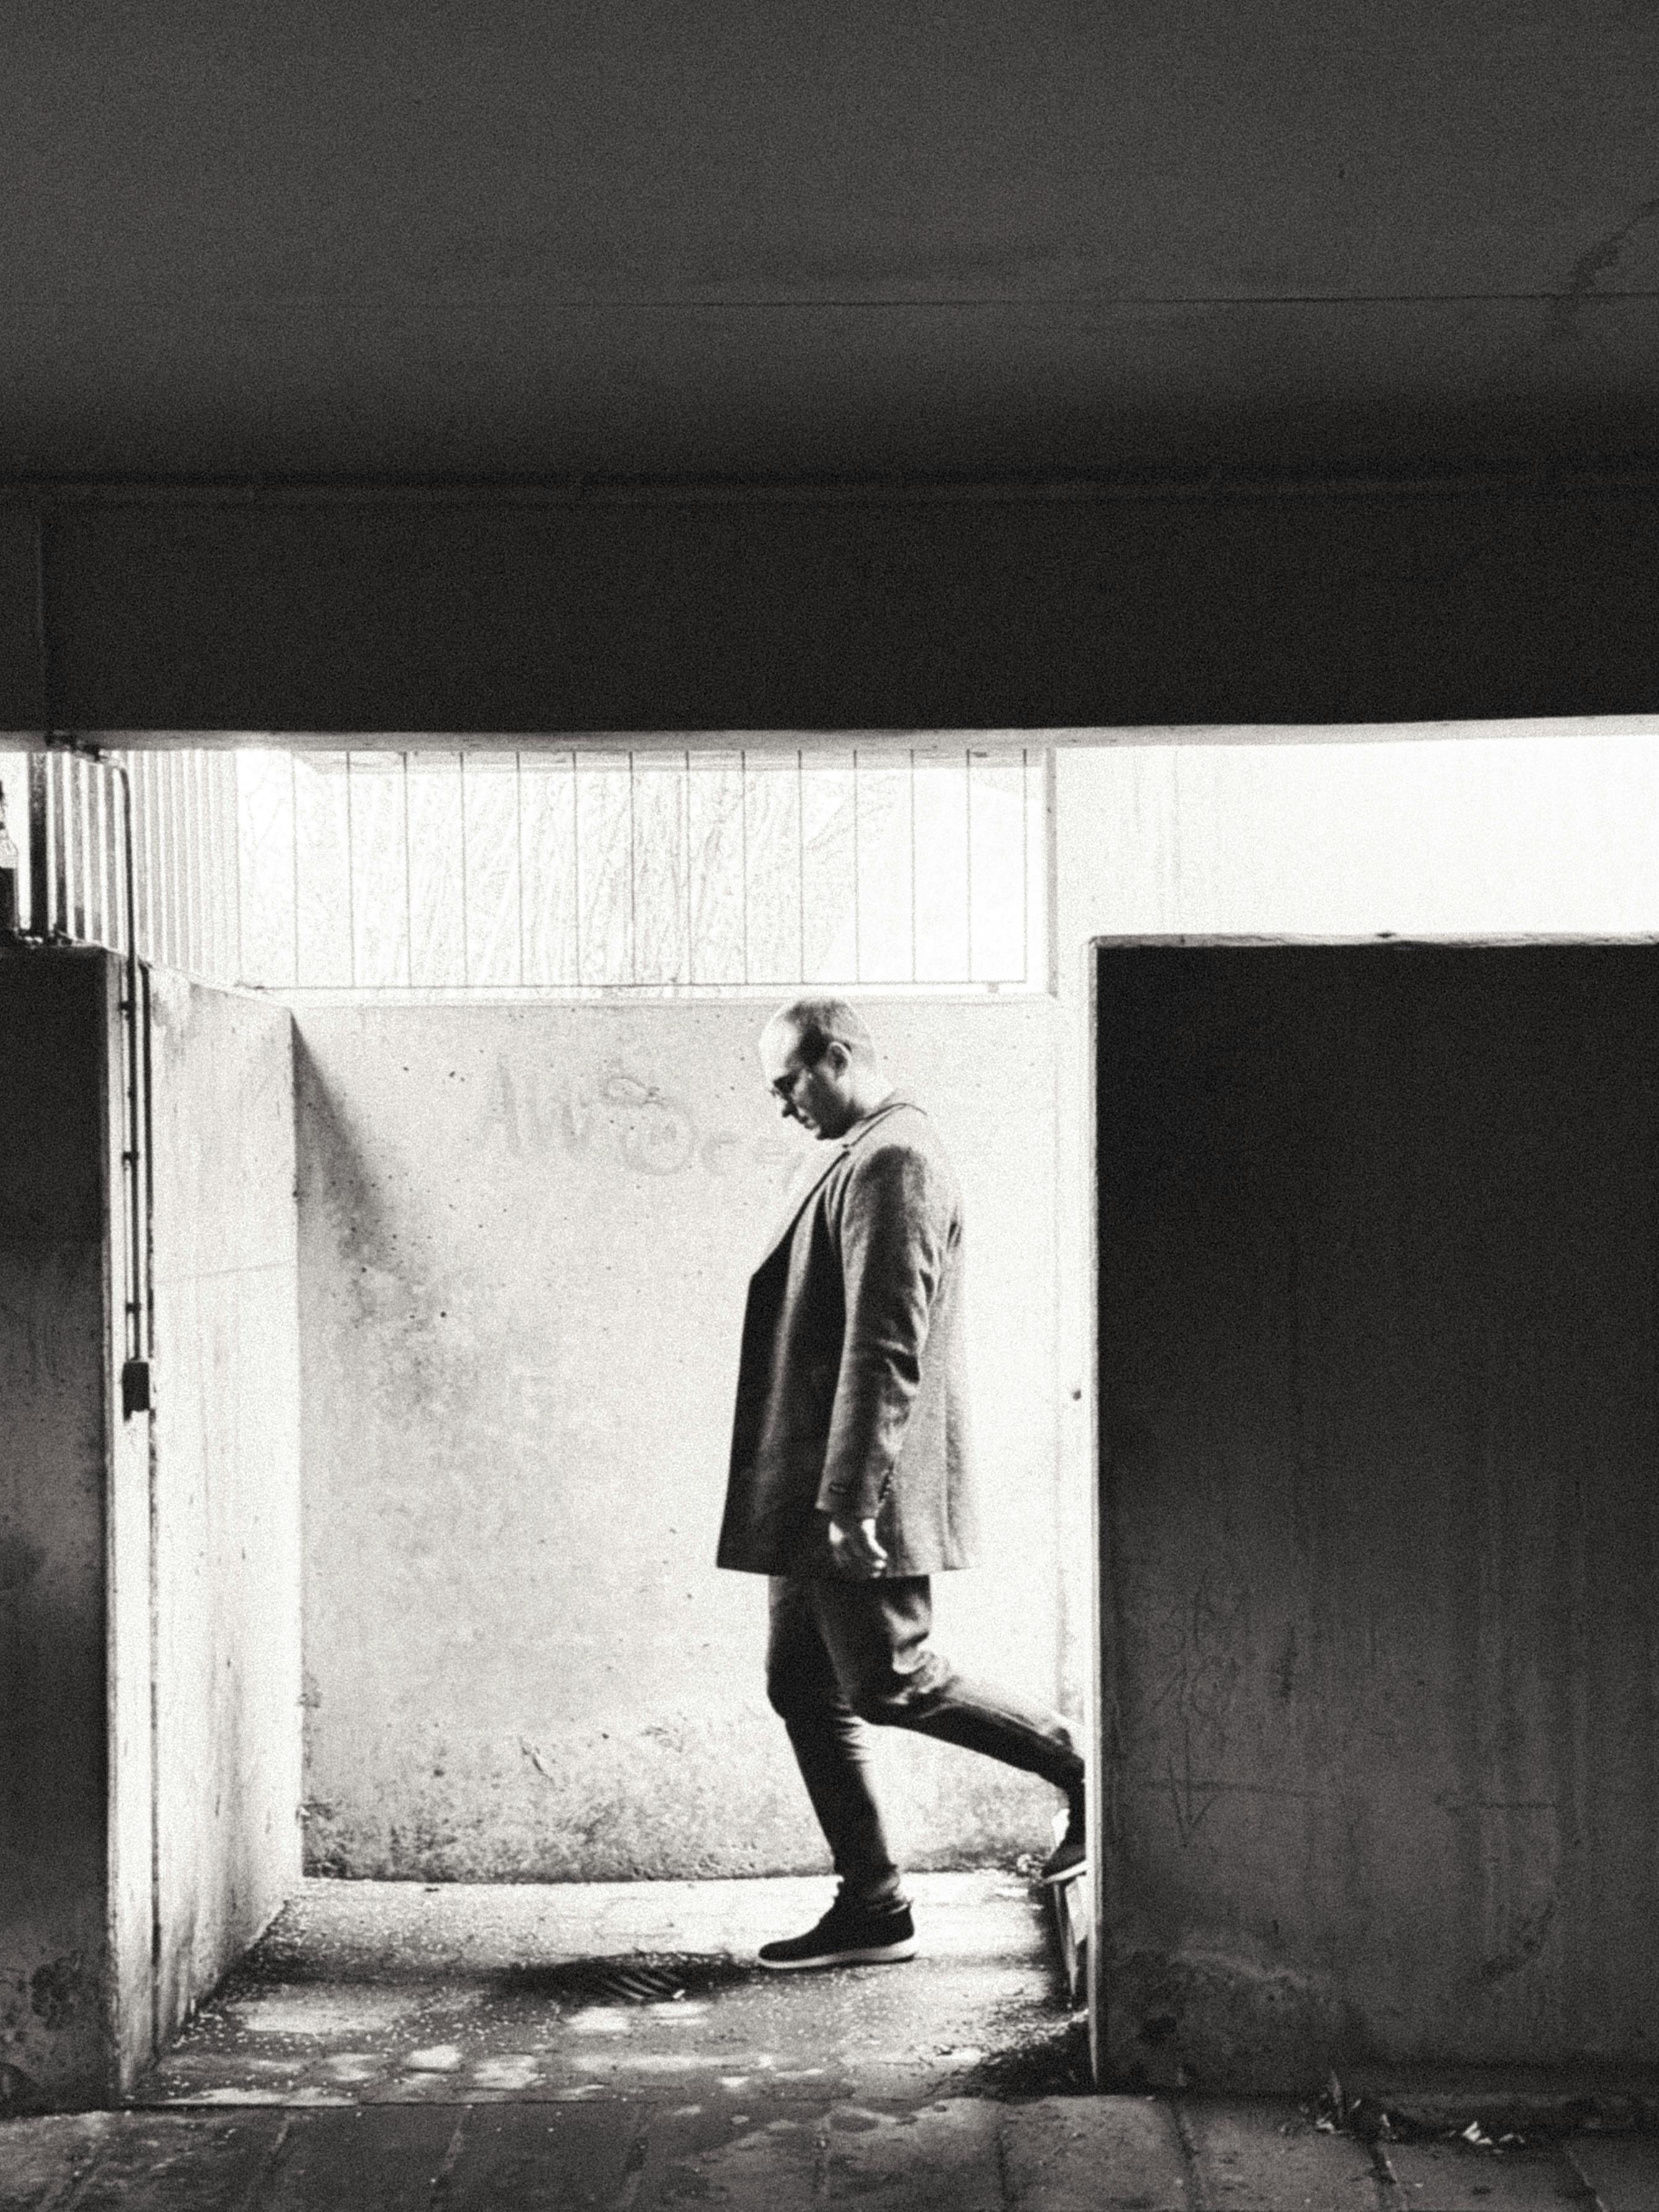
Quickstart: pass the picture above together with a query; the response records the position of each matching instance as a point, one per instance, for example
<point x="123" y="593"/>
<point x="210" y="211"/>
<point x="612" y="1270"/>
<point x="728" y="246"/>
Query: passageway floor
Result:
<point x="394" y="1992"/>
<point x="389" y="2048"/>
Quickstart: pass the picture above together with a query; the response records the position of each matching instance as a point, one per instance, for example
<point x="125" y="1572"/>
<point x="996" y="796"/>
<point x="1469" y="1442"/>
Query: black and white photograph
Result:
<point x="828" y="1106"/>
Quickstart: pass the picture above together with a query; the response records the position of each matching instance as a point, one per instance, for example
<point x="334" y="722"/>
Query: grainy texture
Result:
<point x="227" y="1481"/>
<point x="164" y="2162"/>
<point x="942" y="2157"/>
<point x="54" y="1365"/>
<point x="1456" y="2178"/>
<point x="1075" y="242"/>
<point x="526" y="1237"/>
<point x="1379" y="1414"/>
<point x="546" y="2161"/>
<point x="1622" y="2170"/>
<point x="1267" y="2157"/>
<point x="370" y="1993"/>
<point x="374" y="614"/>
<point x="1095" y="2154"/>
<point x="371" y="2158"/>
<point x="41" y="2160"/>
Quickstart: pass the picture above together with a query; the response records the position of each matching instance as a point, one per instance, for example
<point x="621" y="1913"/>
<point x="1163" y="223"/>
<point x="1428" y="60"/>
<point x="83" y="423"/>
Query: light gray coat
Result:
<point x="851" y="1388"/>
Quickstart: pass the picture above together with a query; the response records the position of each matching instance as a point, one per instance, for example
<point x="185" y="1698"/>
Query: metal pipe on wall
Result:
<point x="40" y="921"/>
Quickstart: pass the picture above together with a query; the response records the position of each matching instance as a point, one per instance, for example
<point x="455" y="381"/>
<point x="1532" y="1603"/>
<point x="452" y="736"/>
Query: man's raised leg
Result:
<point x="877" y="1633"/>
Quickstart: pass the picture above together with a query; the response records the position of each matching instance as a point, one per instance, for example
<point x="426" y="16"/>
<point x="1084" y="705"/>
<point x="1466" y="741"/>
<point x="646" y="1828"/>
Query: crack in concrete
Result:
<point x="438" y="2195"/>
<point x="267" y="2166"/>
<point x="1589" y="266"/>
<point x="1529" y="1940"/>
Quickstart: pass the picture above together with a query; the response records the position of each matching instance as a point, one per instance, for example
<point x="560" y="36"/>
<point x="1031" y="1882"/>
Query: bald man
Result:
<point x="849" y="1479"/>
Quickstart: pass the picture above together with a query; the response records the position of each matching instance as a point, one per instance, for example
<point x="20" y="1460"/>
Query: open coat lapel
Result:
<point x="801" y="1191"/>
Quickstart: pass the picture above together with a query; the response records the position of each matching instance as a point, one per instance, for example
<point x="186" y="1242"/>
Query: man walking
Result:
<point x="849" y="1478"/>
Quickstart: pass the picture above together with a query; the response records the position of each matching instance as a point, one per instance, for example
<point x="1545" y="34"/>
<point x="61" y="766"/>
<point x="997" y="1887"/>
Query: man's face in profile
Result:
<point x="816" y="1095"/>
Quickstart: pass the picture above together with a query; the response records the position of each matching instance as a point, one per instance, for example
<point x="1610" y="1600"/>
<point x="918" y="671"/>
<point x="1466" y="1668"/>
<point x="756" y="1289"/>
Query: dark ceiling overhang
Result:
<point x="345" y="239"/>
<point x="470" y="612"/>
<point x="531" y="366"/>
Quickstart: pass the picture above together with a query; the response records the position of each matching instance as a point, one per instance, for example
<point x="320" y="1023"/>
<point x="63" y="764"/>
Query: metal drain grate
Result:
<point x="642" y="1985"/>
<point x="643" y="1977"/>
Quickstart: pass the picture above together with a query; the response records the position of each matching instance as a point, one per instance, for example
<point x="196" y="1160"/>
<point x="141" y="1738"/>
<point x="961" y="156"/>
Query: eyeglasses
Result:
<point x="783" y="1087"/>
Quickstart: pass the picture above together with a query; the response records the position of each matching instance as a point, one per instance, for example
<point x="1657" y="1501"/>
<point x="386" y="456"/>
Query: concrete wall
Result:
<point x="1380" y="1412"/>
<point x="140" y="1550"/>
<point x="1433" y="830"/>
<point x="1432" y="833"/>
<point x="228" y="1474"/>
<point x="57" y="1991"/>
<point x="526" y="1233"/>
<point x="1492" y="835"/>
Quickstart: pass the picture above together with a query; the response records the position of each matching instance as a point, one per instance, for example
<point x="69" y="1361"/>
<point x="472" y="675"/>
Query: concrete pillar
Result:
<point x="59" y="1998"/>
<point x="150" y="1678"/>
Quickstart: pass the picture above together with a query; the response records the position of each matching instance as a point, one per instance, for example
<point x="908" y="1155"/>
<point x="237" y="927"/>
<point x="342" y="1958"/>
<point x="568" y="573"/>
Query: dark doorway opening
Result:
<point x="1379" y="1354"/>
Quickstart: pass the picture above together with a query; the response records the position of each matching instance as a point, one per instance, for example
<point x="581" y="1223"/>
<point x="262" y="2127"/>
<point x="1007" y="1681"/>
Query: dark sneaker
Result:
<point x="848" y="1935"/>
<point x="1069" y="1859"/>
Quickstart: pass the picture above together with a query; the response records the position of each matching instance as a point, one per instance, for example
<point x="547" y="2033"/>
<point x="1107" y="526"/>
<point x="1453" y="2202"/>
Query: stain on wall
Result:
<point x="1379" y="1418"/>
<point x="53" y="1371"/>
<point x="525" y="1234"/>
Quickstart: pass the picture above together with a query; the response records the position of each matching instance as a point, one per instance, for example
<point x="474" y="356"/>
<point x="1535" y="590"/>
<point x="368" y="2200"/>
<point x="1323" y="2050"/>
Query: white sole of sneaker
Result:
<point x="871" y="1954"/>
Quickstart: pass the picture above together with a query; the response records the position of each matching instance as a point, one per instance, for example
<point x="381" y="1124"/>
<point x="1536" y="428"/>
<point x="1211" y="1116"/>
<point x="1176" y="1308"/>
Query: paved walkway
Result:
<point x="393" y="2049"/>
<point x="956" y="2154"/>
<point x="388" y="1992"/>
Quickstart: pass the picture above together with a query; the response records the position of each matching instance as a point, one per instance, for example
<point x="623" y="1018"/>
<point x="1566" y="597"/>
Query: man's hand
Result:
<point x="855" y="1548"/>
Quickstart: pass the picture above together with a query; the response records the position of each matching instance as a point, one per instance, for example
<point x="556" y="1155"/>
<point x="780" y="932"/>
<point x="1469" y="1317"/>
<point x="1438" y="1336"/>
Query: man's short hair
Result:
<point x="819" y="1023"/>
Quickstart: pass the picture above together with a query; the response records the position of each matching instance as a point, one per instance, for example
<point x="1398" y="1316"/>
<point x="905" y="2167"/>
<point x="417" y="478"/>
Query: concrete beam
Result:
<point x="459" y="611"/>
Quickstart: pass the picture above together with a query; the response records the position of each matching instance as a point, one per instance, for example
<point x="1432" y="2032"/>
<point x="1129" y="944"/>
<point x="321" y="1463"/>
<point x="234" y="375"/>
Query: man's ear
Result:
<point x="838" y="1056"/>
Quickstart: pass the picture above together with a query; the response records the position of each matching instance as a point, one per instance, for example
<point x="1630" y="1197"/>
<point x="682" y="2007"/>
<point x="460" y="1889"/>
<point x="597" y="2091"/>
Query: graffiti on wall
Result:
<point x="619" y="1114"/>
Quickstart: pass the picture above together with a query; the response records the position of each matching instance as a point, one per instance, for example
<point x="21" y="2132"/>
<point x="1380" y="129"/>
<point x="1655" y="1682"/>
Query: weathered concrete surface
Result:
<point x="1251" y="241"/>
<point x="376" y="1993"/>
<point x="1379" y="1410"/>
<point x="1046" y="2154"/>
<point x="1444" y="2176"/>
<point x="1475" y="832"/>
<point x="1099" y="243"/>
<point x="525" y="1234"/>
<point x="1096" y="2155"/>
<point x="1264" y="2157"/>
<point x="55" y="1346"/>
<point x="227" y="1480"/>
<point x="133" y="1562"/>
<point x="543" y="612"/>
<point x="1622" y="2171"/>
<point x="208" y="2168"/>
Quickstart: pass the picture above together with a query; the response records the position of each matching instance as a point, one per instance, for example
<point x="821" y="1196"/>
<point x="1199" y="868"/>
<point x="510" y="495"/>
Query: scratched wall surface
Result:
<point x="53" y="1365"/>
<point x="1379" y="1334"/>
<point x="526" y="1233"/>
<point x="227" y="1480"/>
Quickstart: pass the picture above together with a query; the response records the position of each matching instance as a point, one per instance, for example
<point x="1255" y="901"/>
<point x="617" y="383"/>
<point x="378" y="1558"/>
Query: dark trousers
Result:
<point x="840" y="1653"/>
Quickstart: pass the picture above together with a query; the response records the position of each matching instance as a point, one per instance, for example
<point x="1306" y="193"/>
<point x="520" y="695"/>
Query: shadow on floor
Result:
<point x="399" y="1993"/>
